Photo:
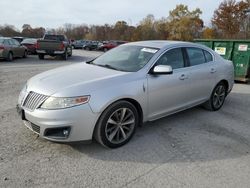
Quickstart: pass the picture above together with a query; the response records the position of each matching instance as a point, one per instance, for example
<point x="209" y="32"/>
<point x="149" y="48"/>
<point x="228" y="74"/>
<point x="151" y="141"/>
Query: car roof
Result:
<point x="5" y="38"/>
<point x="157" y="43"/>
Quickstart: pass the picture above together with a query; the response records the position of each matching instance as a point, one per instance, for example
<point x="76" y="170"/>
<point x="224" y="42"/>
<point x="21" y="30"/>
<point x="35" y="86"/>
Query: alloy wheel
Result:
<point x="120" y="125"/>
<point x="219" y="96"/>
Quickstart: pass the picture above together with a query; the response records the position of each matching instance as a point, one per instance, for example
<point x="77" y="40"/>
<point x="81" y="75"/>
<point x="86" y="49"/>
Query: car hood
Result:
<point x="73" y="80"/>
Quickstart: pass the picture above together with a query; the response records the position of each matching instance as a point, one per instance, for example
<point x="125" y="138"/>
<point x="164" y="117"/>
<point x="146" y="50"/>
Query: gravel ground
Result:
<point x="194" y="148"/>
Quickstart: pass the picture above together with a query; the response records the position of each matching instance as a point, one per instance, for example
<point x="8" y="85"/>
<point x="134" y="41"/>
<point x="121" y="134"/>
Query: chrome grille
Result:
<point x="33" y="100"/>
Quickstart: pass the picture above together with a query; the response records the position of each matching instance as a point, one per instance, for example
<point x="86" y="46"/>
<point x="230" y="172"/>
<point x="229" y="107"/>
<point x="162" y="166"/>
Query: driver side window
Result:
<point x="173" y="58"/>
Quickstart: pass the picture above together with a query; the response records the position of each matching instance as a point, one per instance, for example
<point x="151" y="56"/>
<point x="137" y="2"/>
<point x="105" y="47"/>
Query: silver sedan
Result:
<point x="108" y="97"/>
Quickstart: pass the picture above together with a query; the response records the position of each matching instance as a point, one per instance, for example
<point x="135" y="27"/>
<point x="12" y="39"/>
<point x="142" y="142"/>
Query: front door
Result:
<point x="167" y="93"/>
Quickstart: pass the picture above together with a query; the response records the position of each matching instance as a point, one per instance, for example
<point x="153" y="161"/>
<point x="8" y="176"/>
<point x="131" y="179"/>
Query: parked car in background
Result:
<point x="109" y="45"/>
<point x="78" y="44"/>
<point x="108" y="97"/>
<point x="91" y="45"/>
<point x="54" y="45"/>
<point x="30" y="44"/>
<point x="11" y="48"/>
<point x="19" y="39"/>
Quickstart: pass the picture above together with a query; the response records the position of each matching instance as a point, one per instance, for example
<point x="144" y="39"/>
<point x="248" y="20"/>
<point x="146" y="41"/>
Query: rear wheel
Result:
<point x="217" y="97"/>
<point x="25" y="54"/>
<point x="70" y="54"/>
<point x="40" y="56"/>
<point x="105" y="49"/>
<point x="65" y="56"/>
<point x="10" y="57"/>
<point x="117" y="124"/>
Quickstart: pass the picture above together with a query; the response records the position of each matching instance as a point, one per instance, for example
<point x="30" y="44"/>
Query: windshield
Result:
<point x="32" y="41"/>
<point x="127" y="58"/>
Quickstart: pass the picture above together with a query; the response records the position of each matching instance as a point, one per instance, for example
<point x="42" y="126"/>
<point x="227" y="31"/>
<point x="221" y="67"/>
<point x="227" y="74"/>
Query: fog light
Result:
<point x="66" y="132"/>
<point x="57" y="133"/>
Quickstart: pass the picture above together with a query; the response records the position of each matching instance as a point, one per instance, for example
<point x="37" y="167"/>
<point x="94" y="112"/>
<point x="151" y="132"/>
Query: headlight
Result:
<point x="53" y="103"/>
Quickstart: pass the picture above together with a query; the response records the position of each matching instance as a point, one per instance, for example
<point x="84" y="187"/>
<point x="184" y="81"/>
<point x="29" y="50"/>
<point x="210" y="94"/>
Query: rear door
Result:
<point x="202" y="74"/>
<point x="18" y="49"/>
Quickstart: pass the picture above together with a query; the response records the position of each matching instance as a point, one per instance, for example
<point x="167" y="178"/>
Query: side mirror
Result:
<point x="162" y="69"/>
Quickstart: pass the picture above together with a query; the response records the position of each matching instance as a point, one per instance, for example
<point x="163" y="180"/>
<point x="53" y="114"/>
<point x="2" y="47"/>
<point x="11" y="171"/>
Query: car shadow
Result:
<point x="192" y="135"/>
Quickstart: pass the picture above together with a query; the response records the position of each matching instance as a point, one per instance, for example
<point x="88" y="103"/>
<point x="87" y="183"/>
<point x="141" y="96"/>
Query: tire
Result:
<point x="87" y="48"/>
<point x="217" y="97"/>
<point x="65" y="56"/>
<point x="117" y="124"/>
<point x="10" y="57"/>
<point x="70" y="54"/>
<point x="25" y="54"/>
<point x="41" y="56"/>
<point x="105" y="49"/>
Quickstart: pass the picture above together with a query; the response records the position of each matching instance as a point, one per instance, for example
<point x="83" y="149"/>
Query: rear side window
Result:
<point x="208" y="56"/>
<point x="11" y="42"/>
<point x="173" y="58"/>
<point x="6" y="42"/>
<point x="196" y="56"/>
<point x="15" y="42"/>
<point x="55" y="37"/>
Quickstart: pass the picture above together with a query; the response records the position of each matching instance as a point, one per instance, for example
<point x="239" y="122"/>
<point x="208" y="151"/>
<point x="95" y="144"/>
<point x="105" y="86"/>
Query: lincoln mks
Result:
<point x="108" y="97"/>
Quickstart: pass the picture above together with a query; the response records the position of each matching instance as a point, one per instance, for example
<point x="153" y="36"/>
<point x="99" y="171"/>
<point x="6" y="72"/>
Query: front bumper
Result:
<point x="79" y="121"/>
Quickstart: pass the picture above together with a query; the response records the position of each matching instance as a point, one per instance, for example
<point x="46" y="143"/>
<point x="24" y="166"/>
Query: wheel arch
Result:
<point x="137" y="106"/>
<point x="225" y="82"/>
<point x="11" y="52"/>
<point x="134" y="102"/>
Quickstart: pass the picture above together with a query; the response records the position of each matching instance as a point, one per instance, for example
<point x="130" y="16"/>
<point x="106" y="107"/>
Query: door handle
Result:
<point x="212" y="70"/>
<point x="183" y="77"/>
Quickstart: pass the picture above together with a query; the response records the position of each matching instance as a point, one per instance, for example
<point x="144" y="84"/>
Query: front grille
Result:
<point x="33" y="100"/>
<point x="35" y="128"/>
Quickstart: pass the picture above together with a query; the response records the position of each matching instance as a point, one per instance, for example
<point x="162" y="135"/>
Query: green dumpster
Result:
<point x="241" y="59"/>
<point x="224" y="48"/>
<point x="237" y="51"/>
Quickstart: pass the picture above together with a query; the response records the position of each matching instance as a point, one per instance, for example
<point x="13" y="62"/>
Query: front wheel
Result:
<point x="117" y="124"/>
<point x="10" y="57"/>
<point x="41" y="56"/>
<point x="217" y="97"/>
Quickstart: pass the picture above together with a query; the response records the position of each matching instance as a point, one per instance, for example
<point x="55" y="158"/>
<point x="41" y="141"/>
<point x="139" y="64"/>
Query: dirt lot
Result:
<point x="195" y="148"/>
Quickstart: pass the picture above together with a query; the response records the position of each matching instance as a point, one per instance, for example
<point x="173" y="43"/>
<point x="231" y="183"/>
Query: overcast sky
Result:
<point x="55" y="13"/>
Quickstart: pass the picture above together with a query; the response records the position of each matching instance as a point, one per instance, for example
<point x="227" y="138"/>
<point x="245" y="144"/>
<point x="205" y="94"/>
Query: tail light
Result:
<point x="1" y="47"/>
<point x="37" y="45"/>
<point x="61" y="46"/>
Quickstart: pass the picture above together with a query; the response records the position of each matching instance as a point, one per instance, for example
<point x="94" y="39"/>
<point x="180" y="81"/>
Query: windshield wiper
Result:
<point x="90" y="61"/>
<point x="107" y="66"/>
